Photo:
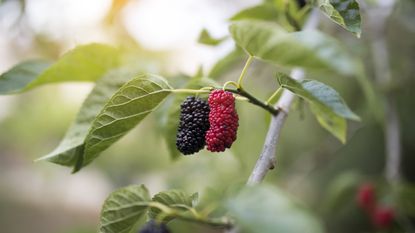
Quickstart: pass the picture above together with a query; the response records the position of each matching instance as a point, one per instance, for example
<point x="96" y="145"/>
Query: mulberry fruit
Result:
<point x="154" y="227"/>
<point x="383" y="217"/>
<point x="366" y="197"/>
<point x="194" y="122"/>
<point x="223" y="121"/>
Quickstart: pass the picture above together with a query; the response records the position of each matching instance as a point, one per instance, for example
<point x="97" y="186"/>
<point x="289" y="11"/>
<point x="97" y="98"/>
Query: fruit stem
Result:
<point x="191" y="91"/>
<point x="254" y="100"/>
<point x="239" y="91"/>
<point x="276" y="93"/>
<point x="170" y="212"/>
<point x="230" y="83"/>
<point x="244" y="70"/>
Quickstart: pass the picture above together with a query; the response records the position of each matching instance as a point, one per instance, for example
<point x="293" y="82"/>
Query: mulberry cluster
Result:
<point x="154" y="227"/>
<point x="382" y="216"/>
<point x="223" y="121"/>
<point x="194" y="122"/>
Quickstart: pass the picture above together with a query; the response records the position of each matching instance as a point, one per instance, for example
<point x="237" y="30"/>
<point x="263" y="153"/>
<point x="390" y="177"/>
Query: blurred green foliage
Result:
<point x="312" y="166"/>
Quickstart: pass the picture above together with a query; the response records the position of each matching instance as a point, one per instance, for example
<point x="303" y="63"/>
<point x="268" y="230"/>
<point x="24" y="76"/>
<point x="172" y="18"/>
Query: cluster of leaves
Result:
<point x="253" y="208"/>
<point x="124" y="96"/>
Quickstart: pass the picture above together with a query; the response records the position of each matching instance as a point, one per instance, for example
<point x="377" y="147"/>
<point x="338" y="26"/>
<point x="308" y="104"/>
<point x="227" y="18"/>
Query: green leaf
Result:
<point x="123" y="208"/>
<point x="103" y="120"/>
<point x="207" y="39"/>
<point x="126" y="108"/>
<point x="21" y="75"/>
<point x="265" y="11"/>
<point x="345" y="13"/>
<point x="176" y="199"/>
<point x="265" y="209"/>
<point x="71" y="147"/>
<point x="83" y="63"/>
<point x="311" y="50"/>
<point x="326" y="104"/>
<point x="173" y="113"/>
<point x="335" y="124"/>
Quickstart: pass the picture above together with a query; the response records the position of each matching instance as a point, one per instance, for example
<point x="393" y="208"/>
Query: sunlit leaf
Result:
<point x="21" y="75"/>
<point x="83" y="63"/>
<point x="265" y="209"/>
<point x="327" y="105"/>
<point x="123" y="208"/>
<point x="311" y="50"/>
<point x="71" y="147"/>
<point x="105" y="117"/>
<point x="343" y="12"/>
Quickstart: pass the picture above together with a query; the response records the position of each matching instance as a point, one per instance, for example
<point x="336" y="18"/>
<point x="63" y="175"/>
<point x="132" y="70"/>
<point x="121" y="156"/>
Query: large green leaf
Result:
<point x="71" y="147"/>
<point x="21" y="75"/>
<point x="265" y="209"/>
<point x="343" y="12"/>
<point x="326" y="104"/>
<point x="105" y="117"/>
<point x="123" y="208"/>
<point x="176" y="199"/>
<point x="126" y="108"/>
<point x="312" y="50"/>
<point x="83" y="63"/>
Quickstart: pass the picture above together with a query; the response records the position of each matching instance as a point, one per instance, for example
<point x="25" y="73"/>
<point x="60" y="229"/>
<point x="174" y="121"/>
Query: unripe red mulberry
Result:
<point x="223" y="121"/>
<point x="383" y="217"/>
<point x="366" y="197"/>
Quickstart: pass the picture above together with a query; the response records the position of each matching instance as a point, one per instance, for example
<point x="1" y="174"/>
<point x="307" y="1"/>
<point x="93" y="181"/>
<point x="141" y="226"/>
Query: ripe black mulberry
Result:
<point x="194" y="122"/>
<point x="154" y="227"/>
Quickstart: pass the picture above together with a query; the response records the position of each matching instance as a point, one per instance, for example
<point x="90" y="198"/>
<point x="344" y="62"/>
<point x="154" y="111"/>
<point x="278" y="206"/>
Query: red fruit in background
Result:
<point x="383" y="217"/>
<point x="223" y="121"/>
<point x="366" y="197"/>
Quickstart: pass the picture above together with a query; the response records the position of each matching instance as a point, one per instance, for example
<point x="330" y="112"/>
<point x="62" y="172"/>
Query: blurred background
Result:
<point x="312" y="165"/>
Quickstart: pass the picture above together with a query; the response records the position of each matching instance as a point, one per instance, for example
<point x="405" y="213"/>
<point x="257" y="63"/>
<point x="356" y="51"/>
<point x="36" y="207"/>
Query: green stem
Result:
<point x="273" y="95"/>
<point x="244" y="70"/>
<point x="254" y="100"/>
<point x="170" y="212"/>
<point x="230" y="83"/>
<point x="190" y="91"/>
<point x="239" y="91"/>
<point x="165" y="209"/>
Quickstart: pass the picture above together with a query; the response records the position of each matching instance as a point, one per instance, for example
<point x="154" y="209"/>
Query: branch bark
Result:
<point x="267" y="158"/>
<point x="377" y="19"/>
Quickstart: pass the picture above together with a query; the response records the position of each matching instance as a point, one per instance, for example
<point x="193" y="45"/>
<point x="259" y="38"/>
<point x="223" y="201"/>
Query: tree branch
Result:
<point x="377" y="19"/>
<point x="267" y="158"/>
